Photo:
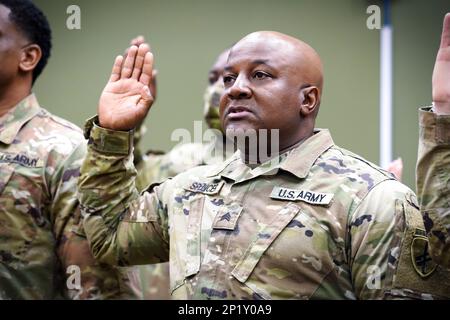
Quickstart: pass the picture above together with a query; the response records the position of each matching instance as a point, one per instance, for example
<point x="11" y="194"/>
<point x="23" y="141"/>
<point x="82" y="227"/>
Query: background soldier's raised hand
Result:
<point x="126" y="99"/>
<point x="441" y="74"/>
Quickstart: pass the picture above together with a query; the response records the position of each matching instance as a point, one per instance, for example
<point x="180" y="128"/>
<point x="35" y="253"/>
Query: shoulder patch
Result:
<point x="420" y="256"/>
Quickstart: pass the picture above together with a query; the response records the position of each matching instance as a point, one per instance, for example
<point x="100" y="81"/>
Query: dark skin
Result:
<point x="215" y="75"/>
<point x="217" y="69"/>
<point x="272" y="81"/>
<point x="18" y="59"/>
<point x="441" y="73"/>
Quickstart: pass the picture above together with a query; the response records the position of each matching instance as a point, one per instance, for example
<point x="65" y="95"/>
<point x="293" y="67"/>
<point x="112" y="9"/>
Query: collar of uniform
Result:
<point x="235" y="169"/>
<point x="297" y="161"/>
<point x="13" y="121"/>
<point x="217" y="169"/>
<point x="301" y="159"/>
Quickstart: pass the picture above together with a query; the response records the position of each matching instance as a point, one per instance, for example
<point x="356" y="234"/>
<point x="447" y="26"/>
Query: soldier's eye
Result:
<point x="261" y="75"/>
<point x="227" y="79"/>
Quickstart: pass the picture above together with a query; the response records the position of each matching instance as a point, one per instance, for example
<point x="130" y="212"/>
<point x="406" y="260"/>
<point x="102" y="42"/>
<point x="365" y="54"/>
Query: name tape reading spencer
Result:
<point x="206" y="188"/>
<point x="301" y="195"/>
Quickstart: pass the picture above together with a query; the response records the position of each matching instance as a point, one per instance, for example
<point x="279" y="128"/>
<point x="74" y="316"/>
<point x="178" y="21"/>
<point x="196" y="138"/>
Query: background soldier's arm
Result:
<point x="84" y="277"/>
<point x="433" y="168"/>
<point x="433" y="182"/>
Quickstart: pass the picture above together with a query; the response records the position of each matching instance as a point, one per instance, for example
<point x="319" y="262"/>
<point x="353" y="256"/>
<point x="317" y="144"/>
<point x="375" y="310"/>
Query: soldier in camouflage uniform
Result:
<point x="40" y="158"/>
<point x="433" y="167"/>
<point x="313" y="221"/>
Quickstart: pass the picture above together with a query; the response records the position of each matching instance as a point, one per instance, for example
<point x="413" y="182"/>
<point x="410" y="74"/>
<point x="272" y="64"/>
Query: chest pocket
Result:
<point x="285" y="260"/>
<point x="6" y="172"/>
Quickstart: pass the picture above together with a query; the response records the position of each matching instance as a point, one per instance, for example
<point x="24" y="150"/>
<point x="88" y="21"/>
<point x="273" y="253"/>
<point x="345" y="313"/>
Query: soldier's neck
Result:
<point x="264" y="156"/>
<point x="12" y="94"/>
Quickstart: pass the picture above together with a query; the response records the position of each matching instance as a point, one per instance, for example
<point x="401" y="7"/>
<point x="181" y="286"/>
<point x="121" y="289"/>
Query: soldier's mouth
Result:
<point x="237" y="112"/>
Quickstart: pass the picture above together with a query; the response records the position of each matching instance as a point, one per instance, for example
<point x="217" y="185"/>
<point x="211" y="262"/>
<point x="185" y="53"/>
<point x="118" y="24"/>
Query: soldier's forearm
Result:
<point x="433" y="181"/>
<point x="122" y="227"/>
<point x="106" y="187"/>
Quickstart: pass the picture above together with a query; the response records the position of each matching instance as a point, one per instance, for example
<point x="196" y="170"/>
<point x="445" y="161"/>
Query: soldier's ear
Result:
<point x="30" y="57"/>
<point x="309" y="100"/>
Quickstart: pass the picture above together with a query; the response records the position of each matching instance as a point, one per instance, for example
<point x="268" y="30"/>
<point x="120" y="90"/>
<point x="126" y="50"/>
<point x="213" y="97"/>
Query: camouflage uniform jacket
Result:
<point x="322" y="223"/>
<point x="40" y="157"/>
<point x="433" y="182"/>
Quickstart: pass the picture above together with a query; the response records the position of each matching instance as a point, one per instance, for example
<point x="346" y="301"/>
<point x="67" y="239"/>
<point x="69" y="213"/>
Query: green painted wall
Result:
<point x="186" y="36"/>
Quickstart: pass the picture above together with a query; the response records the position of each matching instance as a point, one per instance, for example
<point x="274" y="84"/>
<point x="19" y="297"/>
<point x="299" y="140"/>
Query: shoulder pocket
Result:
<point x="416" y="272"/>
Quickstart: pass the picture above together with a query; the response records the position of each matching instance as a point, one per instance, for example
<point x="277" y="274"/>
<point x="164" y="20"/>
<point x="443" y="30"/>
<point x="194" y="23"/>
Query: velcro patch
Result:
<point x="421" y="259"/>
<point x="311" y="197"/>
<point x="206" y="188"/>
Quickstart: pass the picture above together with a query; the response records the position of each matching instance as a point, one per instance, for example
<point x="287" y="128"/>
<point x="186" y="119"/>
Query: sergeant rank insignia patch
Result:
<point x="421" y="259"/>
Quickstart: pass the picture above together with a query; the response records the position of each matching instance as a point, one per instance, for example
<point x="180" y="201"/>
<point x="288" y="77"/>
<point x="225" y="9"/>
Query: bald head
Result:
<point x="272" y="81"/>
<point x="294" y="52"/>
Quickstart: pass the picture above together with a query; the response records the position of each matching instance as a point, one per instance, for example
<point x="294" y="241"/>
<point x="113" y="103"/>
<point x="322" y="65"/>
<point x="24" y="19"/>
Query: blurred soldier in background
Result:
<point x="40" y="157"/>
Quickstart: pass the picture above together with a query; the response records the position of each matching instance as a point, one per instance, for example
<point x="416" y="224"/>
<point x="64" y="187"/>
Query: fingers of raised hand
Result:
<point x="139" y="62"/>
<point x="128" y="65"/>
<point x="445" y="39"/>
<point x="117" y="68"/>
<point x="147" y="70"/>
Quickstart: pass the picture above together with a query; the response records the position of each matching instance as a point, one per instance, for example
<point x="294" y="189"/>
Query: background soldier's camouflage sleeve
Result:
<point x="97" y="281"/>
<point x="156" y="167"/>
<point x="105" y="186"/>
<point x="433" y="182"/>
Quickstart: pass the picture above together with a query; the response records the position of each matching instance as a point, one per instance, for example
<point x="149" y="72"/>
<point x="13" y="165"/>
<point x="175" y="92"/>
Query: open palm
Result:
<point x="441" y="74"/>
<point x="126" y="99"/>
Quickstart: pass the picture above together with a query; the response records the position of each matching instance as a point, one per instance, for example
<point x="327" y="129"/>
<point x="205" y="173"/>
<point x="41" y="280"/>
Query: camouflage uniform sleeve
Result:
<point x="122" y="227"/>
<point x="433" y="182"/>
<point x="388" y="247"/>
<point x="85" y="278"/>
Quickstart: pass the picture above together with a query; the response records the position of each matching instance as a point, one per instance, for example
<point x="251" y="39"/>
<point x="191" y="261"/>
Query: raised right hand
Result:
<point x="441" y="73"/>
<point x="126" y="99"/>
